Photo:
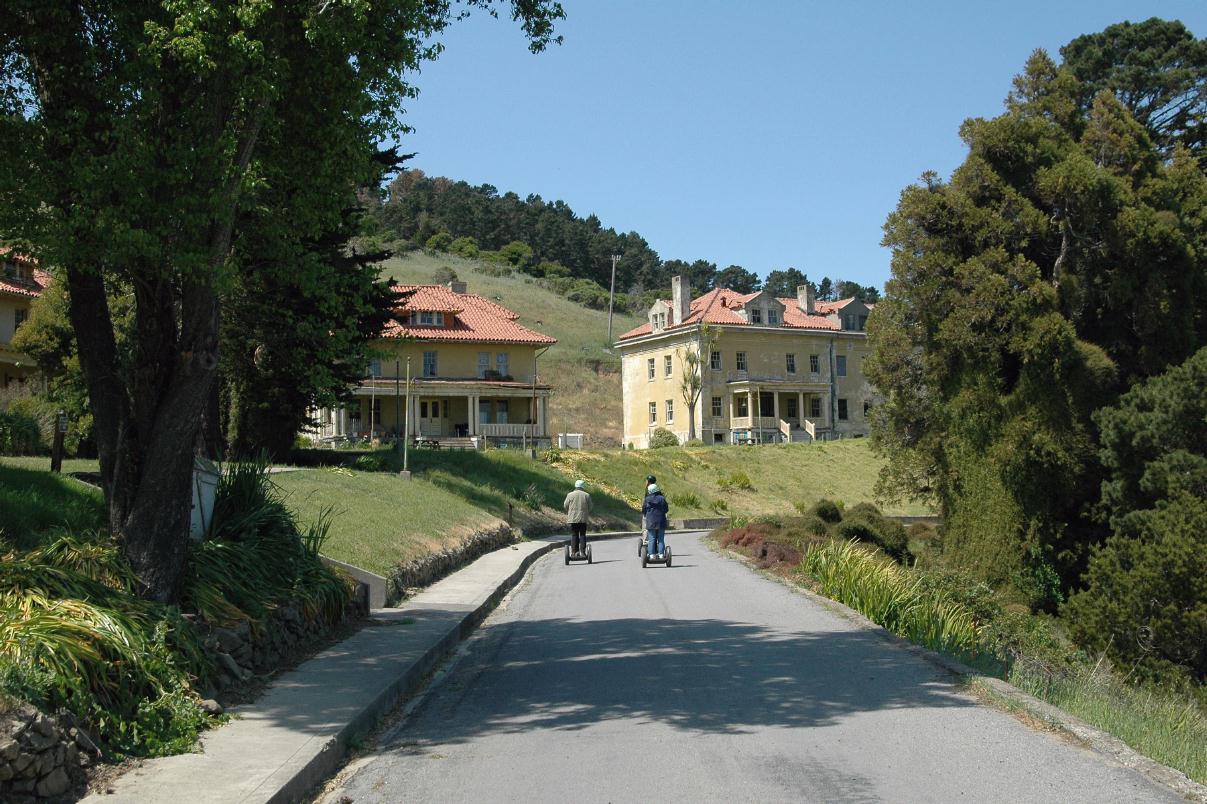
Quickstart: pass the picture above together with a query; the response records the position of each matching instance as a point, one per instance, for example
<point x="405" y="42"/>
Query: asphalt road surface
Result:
<point x="707" y="682"/>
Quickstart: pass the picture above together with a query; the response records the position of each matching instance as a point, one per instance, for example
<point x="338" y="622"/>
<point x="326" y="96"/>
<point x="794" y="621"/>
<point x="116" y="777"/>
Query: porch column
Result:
<point x="412" y="422"/>
<point x="775" y="407"/>
<point x="800" y="408"/>
<point x="473" y="414"/>
<point x="751" y="403"/>
<point x="540" y="417"/>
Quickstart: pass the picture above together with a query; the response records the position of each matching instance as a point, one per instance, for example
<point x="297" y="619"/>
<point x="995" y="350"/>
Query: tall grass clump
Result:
<point x="254" y="556"/>
<point x="862" y="578"/>
<point x="74" y="635"/>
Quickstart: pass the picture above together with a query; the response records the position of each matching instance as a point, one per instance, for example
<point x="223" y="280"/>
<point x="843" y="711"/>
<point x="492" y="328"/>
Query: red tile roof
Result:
<point x="717" y="307"/>
<point x="30" y="288"/>
<point x="470" y="318"/>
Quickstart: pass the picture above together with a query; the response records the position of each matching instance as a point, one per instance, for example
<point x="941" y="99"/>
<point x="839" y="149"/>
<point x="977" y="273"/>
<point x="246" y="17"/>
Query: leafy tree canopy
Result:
<point x="1063" y="261"/>
<point x="737" y="278"/>
<point x="135" y="138"/>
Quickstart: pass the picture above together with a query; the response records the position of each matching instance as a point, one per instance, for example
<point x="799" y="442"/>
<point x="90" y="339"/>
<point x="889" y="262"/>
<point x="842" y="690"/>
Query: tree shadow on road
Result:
<point x="708" y="676"/>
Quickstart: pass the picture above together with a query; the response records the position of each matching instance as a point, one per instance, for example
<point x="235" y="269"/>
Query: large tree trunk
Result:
<point x="147" y="423"/>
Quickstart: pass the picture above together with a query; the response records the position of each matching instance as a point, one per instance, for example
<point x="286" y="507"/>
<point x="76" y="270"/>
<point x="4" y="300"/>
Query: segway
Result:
<point x="583" y="556"/>
<point x="647" y="559"/>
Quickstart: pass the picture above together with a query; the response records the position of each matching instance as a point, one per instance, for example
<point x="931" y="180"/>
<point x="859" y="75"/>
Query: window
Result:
<point x="815" y="407"/>
<point x="375" y="412"/>
<point x="741" y="359"/>
<point x="842" y="410"/>
<point x="668" y="365"/>
<point x="842" y="365"/>
<point x="649" y="369"/>
<point x="773" y="317"/>
<point x="484" y="411"/>
<point x="501" y="411"/>
<point x="483" y="363"/>
<point x="19" y="317"/>
<point x="863" y="322"/>
<point x="423" y="410"/>
<point x="716" y="407"/>
<point x="791" y="407"/>
<point x="670" y="411"/>
<point x="743" y="404"/>
<point x="791" y="361"/>
<point x="756" y="316"/>
<point x="374" y="368"/>
<point x="814" y="364"/>
<point x="653" y="413"/>
<point x="426" y="318"/>
<point x="502" y="364"/>
<point x="714" y="361"/>
<point x="429" y="364"/>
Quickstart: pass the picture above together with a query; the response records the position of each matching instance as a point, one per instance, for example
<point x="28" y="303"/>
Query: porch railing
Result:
<point x="507" y="430"/>
<point x="759" y="422"/>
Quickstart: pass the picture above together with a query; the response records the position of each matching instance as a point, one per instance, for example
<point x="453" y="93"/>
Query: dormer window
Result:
<point x="426" y="318"/>
<point x="773" y="317"/>
<point x="756" y="316"/>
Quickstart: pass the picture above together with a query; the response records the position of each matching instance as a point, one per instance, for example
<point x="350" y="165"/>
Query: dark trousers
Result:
<point x="578" y="537"/>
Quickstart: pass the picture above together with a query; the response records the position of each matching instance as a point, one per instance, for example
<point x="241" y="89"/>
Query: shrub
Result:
<point x="443" y="275"/>
<point x="772" y="553"/>
<point x="1145" y="601"/>
<point x="960" y="587"/>
<point x="694" y="442"/>
<point x="661" y="437"/>
<point x="551" y="455"/>
<point x="740" y="480"/>
<point x="827" y="511"/>
<point x="685" y="500"/>
<point x="465" y="246"/>
<point x="439" y="241"/>
<point x="370" y="463"/>
<point x="719" y="506"/>
<point x="20" y="434"/>
<point x="530" y="496"/>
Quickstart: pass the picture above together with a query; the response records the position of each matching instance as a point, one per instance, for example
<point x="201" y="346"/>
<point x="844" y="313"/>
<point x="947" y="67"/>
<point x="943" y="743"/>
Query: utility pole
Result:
<point x="612" y="297"/>
<point x="397" y="408"/>
<point x="406" y="430"/>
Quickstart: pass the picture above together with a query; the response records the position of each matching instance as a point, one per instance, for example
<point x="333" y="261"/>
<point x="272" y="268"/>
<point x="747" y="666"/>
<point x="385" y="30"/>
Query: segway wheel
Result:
<point x="588" y="554"/>
<point x="645" y="560"/>
<point x="567" y="555"/>
<point x="640" y="547"/>
<point x="668" y="556"/>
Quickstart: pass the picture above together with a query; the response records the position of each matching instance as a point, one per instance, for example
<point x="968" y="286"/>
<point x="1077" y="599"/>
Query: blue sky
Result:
<point x="763" y="134"/>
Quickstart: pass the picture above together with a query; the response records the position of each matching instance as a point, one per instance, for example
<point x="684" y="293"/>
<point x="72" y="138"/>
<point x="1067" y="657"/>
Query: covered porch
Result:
<point x="469" y="413"/>
<point x="780" y="413"/>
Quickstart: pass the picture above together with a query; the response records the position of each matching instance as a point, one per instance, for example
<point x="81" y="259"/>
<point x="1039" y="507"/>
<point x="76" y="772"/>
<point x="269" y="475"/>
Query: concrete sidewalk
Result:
<point x="297" y="733"/>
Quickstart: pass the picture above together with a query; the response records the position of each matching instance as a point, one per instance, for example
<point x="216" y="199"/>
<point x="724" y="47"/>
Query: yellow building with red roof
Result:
<point x="473" y="371"/>
<point x="21" y="282"/>
<point x="773" y="370"/>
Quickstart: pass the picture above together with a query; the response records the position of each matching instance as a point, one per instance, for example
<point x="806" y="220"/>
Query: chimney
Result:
<point x="457" y="287"/>
<point x="804" y="299"/>
<point x="681" y="298"/>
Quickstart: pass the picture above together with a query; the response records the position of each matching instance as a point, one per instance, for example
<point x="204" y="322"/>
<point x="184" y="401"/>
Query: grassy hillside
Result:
<point x="377" y="520"/>
<point x="584" y="374"/>
<point x="706" y="481"/>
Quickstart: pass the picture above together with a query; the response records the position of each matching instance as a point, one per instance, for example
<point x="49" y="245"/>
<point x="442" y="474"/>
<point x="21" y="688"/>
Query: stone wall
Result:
<point x="243" y="650"/>
<point x="42" y="758"/>
<point x="431" y="568"/>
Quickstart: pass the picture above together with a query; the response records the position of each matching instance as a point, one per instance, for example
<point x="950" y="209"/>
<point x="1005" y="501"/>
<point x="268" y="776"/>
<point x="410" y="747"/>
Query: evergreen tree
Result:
<point x="1000" y="332"/>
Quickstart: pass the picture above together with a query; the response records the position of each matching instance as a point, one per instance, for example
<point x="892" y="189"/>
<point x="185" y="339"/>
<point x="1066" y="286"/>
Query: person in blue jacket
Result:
<point x="654" y="510"/>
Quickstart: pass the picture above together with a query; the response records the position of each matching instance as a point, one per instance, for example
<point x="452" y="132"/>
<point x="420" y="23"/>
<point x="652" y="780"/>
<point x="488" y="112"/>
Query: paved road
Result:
<point x="706" y="682"/>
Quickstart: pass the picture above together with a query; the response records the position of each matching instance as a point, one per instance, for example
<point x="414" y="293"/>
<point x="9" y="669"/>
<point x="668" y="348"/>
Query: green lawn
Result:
<point x="43" y="463"/>
<point x="378" y="520"/>
<point x="34" y="502"/>
<point x="780" y="475"/>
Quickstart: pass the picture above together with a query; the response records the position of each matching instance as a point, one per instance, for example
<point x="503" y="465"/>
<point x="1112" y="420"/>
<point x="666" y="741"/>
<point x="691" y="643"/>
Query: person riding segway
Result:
<point x="578" y="513"/>
<point x="653" y="511"/>
<point x="641" y="545"/>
